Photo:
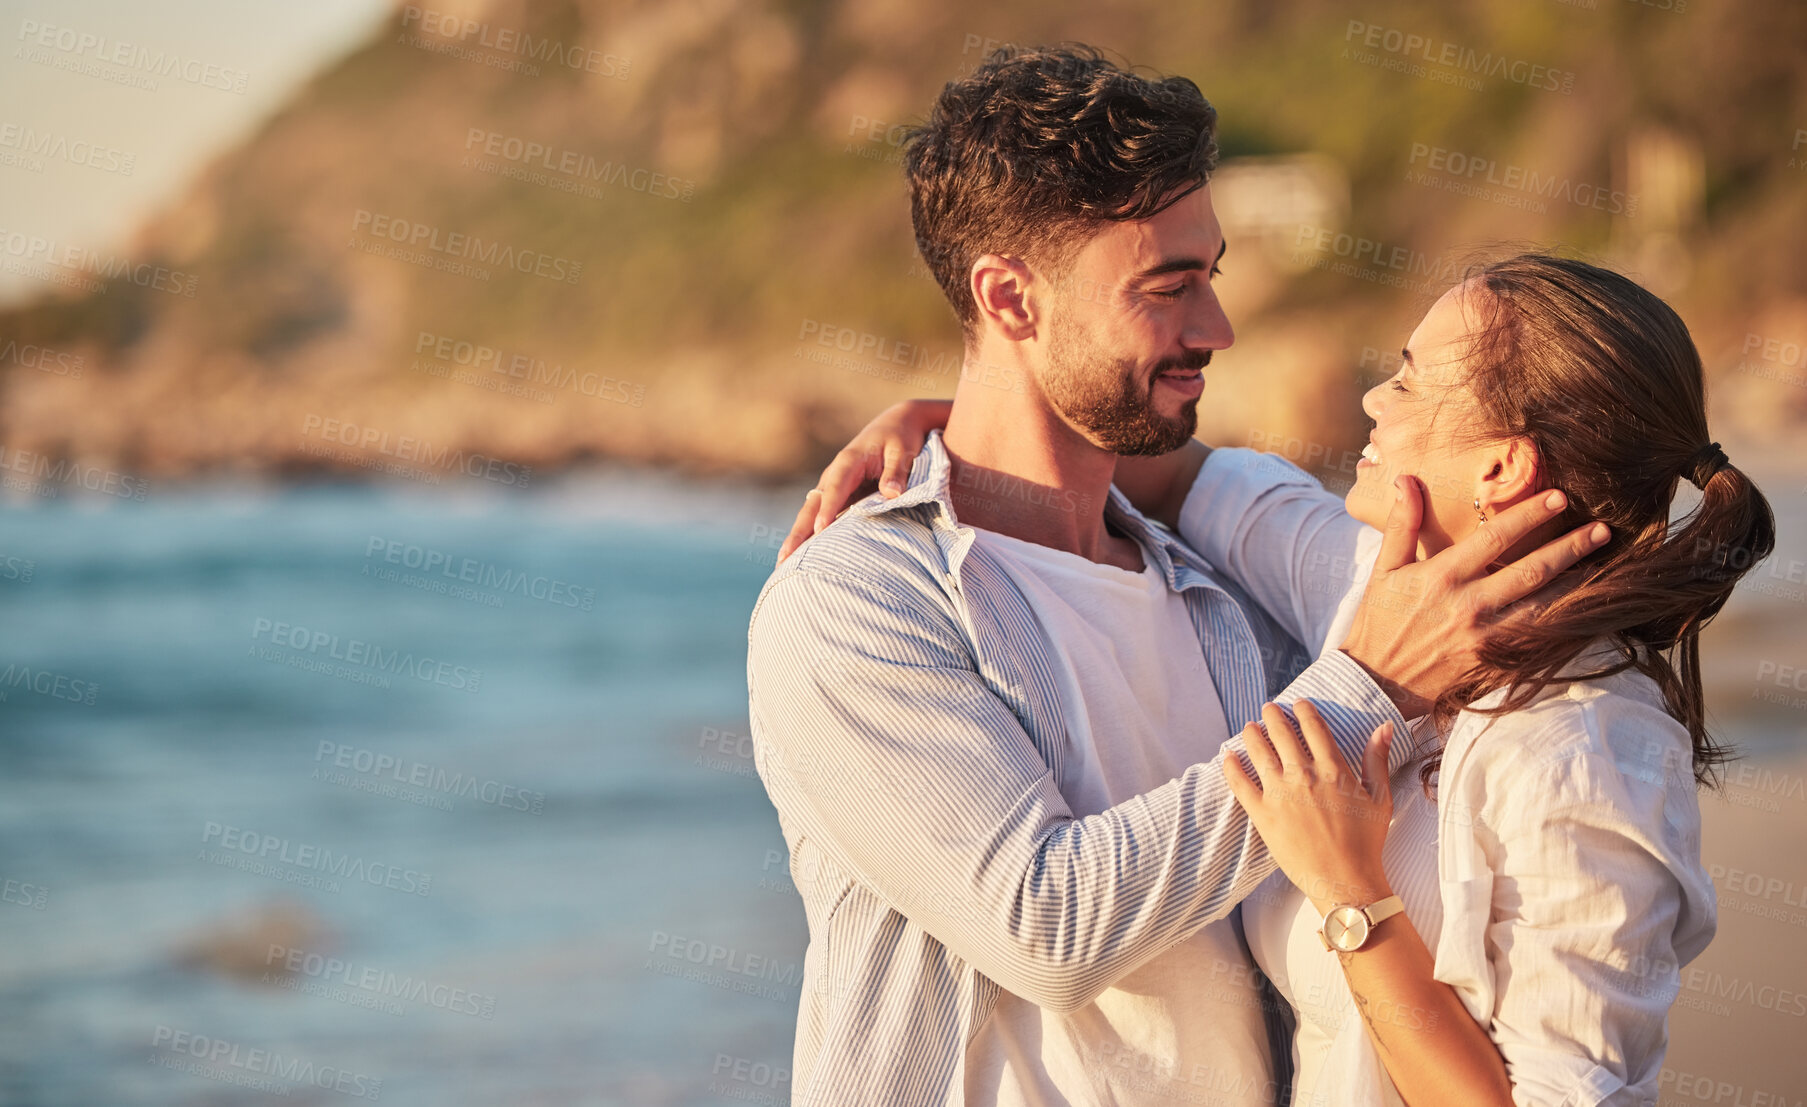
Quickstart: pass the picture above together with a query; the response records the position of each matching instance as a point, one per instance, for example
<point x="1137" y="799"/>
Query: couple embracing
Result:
<point x="1178" y="779"/>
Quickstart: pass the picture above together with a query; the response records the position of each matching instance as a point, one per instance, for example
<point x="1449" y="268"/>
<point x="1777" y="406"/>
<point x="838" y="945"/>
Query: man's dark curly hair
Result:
<point x="1036" y="148"/>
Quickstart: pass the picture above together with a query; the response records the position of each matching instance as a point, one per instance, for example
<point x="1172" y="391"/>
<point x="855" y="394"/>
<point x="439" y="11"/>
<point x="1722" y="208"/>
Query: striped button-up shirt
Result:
<point x="907" y="726"/>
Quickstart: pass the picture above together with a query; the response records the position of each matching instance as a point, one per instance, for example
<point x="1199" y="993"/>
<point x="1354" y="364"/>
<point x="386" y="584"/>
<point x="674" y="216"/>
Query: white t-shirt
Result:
<point x="1140" y="707"/>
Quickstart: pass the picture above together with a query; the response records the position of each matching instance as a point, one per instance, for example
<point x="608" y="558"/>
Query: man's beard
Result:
<point x="1105" y="398"/>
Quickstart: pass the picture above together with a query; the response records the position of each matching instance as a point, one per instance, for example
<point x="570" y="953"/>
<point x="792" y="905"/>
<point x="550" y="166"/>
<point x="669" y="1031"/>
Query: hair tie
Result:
<point x="1707" y="460"/>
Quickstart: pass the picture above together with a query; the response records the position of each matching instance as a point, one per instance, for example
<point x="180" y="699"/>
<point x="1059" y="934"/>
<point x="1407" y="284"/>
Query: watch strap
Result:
<point x="1382" y="909"/>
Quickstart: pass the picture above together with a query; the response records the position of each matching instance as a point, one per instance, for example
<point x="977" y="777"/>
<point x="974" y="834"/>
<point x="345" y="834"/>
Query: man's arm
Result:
<point x="876" y="736"/>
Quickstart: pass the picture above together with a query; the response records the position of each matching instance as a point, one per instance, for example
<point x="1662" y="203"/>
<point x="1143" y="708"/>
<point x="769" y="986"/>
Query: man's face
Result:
<point x="1133" y="324"/>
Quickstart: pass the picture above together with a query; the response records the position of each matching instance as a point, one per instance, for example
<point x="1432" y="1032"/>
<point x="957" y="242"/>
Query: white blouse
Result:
<point x="1568" y="832"/>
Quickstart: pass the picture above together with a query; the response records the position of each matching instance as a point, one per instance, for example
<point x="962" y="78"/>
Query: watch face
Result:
<point x="1346" y="928"/>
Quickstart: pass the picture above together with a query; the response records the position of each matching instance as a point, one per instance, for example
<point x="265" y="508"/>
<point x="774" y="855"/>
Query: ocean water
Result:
<point x="496" y="894"/>
<point x="446" y="799"/>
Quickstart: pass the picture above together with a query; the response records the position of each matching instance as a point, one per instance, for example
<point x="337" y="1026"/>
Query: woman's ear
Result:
<point x="1515" y="472"/>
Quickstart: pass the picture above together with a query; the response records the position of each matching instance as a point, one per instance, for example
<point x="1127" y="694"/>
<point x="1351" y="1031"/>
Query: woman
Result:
<point x="1546" y="855"/>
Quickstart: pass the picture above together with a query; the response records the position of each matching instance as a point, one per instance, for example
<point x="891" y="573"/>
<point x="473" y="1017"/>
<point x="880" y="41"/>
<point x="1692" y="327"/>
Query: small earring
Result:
<point x="1479" y="512"/>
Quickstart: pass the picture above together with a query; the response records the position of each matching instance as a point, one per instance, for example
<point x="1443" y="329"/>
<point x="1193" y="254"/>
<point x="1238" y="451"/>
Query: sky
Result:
<point x="87" y="153"/>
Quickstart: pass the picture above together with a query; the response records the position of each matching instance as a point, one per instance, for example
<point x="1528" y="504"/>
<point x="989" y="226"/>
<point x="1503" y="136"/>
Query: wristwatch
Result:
<point x="1346" y="926"/>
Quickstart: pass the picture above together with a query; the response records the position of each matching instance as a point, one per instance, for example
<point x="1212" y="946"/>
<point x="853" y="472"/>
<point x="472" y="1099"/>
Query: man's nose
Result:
<point x="1210" y="328"/>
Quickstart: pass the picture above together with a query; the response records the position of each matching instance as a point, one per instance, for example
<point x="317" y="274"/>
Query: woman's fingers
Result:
<point x="1285" y="741"/>
<point x="804" y="527"/>
<point x="1326" y="759"/>
<point x="1374" y="764"/>
<point x="842" y="476"/>
<point x="831" y="495"/>
<point x="897" y="469"/>
<point x="1261" y="754"/>
<point x="1237" y="777"/>
<point x="854" y="467"/>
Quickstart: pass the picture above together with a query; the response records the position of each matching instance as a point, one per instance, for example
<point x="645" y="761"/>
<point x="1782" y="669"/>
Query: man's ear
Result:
<point x="1515" y="471"/>
<point x="1001" y="286"/>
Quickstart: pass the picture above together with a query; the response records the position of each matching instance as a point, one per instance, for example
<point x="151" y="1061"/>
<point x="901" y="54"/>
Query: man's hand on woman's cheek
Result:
<point x="1421" y="623"/>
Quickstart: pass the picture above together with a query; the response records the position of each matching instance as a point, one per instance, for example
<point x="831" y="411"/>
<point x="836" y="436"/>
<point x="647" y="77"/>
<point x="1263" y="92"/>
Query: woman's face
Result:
<point x="1425" y="424"/>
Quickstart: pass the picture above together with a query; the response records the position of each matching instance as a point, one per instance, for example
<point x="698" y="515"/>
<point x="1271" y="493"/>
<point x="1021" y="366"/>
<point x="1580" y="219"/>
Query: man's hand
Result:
<point x="1421" y="623"/>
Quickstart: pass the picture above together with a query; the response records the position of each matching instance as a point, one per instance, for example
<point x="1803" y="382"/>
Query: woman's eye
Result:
<point x="1399" y="387"/>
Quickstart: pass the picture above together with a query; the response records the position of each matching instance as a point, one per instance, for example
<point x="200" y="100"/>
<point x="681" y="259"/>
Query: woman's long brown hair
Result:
<point x="1603" y="378"/>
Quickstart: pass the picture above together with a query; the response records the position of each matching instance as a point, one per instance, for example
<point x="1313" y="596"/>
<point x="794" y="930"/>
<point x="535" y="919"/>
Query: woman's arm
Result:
<point x="1325" y="827"/>
<point x="1434" y="1051"/>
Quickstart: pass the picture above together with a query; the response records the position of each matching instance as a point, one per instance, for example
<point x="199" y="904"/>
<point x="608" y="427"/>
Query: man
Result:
<point x="991" y="711"/>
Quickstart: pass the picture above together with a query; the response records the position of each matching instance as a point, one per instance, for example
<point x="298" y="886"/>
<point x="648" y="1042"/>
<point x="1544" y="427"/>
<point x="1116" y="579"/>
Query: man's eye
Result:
<point x="1169" y="293"/>
<point x="1399" y="387"/>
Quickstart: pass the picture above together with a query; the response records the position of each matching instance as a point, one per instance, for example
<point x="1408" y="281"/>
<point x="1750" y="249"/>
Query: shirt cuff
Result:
<point x="1352" y="706"/>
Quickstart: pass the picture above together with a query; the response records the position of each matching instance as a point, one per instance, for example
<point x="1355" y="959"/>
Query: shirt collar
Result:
<point x="931" y="489"/>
